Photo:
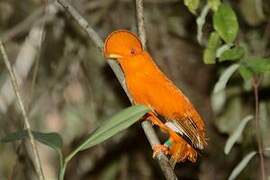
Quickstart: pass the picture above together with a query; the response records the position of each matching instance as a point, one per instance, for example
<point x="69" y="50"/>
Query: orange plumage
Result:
<point x="149" y="86"/>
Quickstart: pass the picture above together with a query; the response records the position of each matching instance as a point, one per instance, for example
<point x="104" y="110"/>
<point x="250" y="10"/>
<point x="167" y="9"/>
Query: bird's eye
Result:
<point x="132" y="51"/>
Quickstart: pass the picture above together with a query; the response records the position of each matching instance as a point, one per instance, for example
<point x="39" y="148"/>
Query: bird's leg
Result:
<point x="157" y="148"/>
<point x="155" y="121"/>
<point x="168" y="143"/>
<point x="175" y="146"/>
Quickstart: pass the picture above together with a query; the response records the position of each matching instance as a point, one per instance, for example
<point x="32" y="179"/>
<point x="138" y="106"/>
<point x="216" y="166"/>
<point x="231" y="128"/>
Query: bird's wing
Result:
<point x="183" y="117"/>
<point x="188" y="129"/>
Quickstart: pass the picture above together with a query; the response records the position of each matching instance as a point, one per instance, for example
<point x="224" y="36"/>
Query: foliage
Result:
<point x="114" y="125"/>
<point x="52" y="140"/>
<point x="225" y="23"/>
<point x="226" y="26"/>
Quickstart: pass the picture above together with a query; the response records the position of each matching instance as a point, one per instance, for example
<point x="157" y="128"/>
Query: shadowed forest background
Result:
<point x="67" y="87"/>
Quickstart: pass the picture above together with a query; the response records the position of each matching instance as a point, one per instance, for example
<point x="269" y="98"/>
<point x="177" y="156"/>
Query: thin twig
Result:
<point x="258" y="127"/>
<point x="148" y="129"/>
<point x="146" y="125"/>
<point x="96" y="39"/>
<point x="83" y="23"/>
<point x="200" y="22"/>
<point x="140" y="22"/>
<point x="25" y="117"/>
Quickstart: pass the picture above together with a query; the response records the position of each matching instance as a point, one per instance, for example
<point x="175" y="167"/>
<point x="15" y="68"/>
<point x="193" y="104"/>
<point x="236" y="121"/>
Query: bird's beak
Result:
<point x="113" y="56"/>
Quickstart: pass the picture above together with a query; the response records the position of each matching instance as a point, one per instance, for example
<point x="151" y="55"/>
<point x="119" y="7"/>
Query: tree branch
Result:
<point x="256" y="82"/>
<point x="146" y="125"/>
<point x="140" y="22"/>
<point x="15" y="85"/>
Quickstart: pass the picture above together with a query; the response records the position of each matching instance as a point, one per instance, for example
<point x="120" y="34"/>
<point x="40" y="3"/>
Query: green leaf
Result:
<point x="192" y="5"/>
<point x="213" y="4"/>
<point x="225" y="23"/>
<point x="236" y="134"/>
<point x="224" y="78"/>
<point x="209" y="54"/>
<point x="258" y="65"/>
<point x="233" y="54"/>
<point x="115" y="124"/>
<point x="214" y="41"/>
<point x="253" y="66"/>
<point x="52" y="140"/>
<point x="245" y="72"/>
<point x="238" y="169"/>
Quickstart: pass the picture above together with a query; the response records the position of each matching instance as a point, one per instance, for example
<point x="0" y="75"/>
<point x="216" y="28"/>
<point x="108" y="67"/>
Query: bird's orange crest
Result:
<point x="122" y="43"/>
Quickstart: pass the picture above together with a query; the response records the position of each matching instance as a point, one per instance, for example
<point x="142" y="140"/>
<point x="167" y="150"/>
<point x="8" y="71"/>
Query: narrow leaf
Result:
<point x="238" y="169"/>
<point x="52" y="140"/>
<point x="236" y="134"/>
<point x="192" y="5"/>
<point x="233" y="54"/>
<point x="117" y="123"/>
<point x="224" y="78"/>
<point x="19" y="135"/>
<point x="225" y="23"/>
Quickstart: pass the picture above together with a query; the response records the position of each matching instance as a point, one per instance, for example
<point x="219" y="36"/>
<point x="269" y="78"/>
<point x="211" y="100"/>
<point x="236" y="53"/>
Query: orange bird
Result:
<point x="171" y="109"/>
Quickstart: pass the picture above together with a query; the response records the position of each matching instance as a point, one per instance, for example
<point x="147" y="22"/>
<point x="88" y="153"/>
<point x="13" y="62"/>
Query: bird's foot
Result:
<point x="183" y="151"/>
<point x="159" y="148"/>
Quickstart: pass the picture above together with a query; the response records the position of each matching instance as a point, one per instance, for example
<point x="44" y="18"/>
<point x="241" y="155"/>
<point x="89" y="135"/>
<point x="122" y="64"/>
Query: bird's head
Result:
<point x="122" y="43"/>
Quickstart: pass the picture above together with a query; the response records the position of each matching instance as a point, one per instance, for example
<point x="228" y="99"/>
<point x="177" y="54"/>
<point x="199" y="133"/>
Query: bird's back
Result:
<point x="148" y="85"/>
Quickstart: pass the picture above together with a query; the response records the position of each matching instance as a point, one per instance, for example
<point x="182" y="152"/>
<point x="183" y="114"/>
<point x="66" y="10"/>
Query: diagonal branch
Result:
<point x="97" y="41"/>
<point x="147" y="127"/>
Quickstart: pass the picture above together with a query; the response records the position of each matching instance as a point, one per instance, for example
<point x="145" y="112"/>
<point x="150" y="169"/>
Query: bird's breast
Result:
<point x="149" y="86"/>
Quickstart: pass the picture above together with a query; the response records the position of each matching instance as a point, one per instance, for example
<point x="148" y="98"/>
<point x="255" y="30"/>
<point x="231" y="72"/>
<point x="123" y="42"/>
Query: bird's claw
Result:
<point x="159" y="148"/>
